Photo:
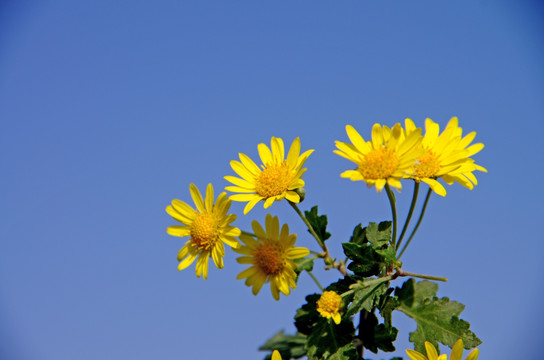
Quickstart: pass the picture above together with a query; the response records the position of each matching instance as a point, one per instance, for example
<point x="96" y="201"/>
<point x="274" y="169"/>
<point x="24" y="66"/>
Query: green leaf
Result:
<point x="366" y="294"/>
<point x="376" y="336"/>
<point x="289" y="346"/>
<point x="318" y="222"/>
<point x="328" y="338"/>
<point x="437" y="319"/>
<point x="366" y="261"/>
<point x="386" y="306"/>
<point x="378" y="235"/>
<point x="346" y="352"/>
<point x="304" y="264"/>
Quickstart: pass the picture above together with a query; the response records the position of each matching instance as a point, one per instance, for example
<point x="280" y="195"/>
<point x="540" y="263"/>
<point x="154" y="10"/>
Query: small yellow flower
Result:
<point x="271" y="257"/>
<point x="457" y="352"/>
<point x="330" y="305"/>
<point x="432" y="354"/>
<point x="277" y="179"/>
<point x="386" y="159"/>
<point x="208" y="228"/>
<point x="276" y="355"/>
<point x="446" y="155"/>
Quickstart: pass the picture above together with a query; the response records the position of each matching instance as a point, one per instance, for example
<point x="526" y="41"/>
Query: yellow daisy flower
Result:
<point x="271" y="257"/>
<point x="386" y="159"/>
<point x="276" y="355"/>
<point x="457" y="352"/>
<point x="432" y="354"/>
<point x="446" y="156"/>
<point x="208" y="228"/>
<point x="277" y="180"/>
<point x="330" y="305"/>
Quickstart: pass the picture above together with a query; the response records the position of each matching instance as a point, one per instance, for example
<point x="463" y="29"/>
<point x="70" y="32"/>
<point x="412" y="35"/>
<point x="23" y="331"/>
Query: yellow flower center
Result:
<point x="269" y="258"/>
<point x="379" y="164"/>
<point x="204" y="231"/>
<point x="329" y="303"/>
<point x="427" y="166"/>
<point x="273" y="180"/>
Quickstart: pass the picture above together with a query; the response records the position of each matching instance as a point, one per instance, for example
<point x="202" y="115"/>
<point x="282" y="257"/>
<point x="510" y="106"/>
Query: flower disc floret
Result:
<point x="330" y="305"/>
<point x="270" y="253"/>
<point x="208" y="228"/>
<point x="276" y="179"/>
<point x="386" y="159"/>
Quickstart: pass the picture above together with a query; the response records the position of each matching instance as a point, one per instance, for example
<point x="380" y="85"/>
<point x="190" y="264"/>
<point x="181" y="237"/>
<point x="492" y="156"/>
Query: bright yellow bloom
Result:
<point x="446" y="156"/>
<point x="270" y="257"/>
<point x="386" y="159"/>
<point x="277" y="180"/>
<point x="330" y="305"/>
<point x="276" y="355"/>
<point x="457" y="352"/>
<point x="432" y="354"/>
<point x="208" y="227"/>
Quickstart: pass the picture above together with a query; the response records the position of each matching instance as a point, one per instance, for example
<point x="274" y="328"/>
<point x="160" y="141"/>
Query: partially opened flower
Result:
<point x="457" y="352"/>
<point x="446" y="156"/>
<point x="208" y="228"/>
<point x="276" y="179"/>
<point x="386" y="159"/>
<point x="330" y="306"/>
<point x="271" y="257"/>
<point x="432" y="354"/>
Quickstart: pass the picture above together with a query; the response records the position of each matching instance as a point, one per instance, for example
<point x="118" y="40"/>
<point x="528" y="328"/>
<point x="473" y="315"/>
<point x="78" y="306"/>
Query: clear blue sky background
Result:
<point x="109" y="109"/>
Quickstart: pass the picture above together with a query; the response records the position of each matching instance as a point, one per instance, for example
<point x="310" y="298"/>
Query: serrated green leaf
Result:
<point x="366" y="261"/>
<point x="378" y="235"/>
<point x="386" y="306"/>
<point x="289" y="346"/>
<point x="318" y="222"/>
<point x="358" y="236"/>
<point x="307" y="315"/>
<point x="437" y="319"/>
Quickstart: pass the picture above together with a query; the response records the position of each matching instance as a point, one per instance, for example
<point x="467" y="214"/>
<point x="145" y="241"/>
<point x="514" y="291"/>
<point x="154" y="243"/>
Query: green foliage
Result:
<point x="318" y="222"/>
<point x="289" y="346"/>
<point x="437" y="319"/>
<point x="304" y="264"/>
<point x="370" y="249"/>
<point x="326" y="340"/>
<point x="376" y="336"/>
<point x="366" y="294"/>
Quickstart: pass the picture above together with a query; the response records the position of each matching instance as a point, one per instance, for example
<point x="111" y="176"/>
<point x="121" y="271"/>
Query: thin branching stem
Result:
<point x="316" y="281"/>
<point x="310" y="228"/>
<point x="418" y="222"/>
<point x="410" y="212"/>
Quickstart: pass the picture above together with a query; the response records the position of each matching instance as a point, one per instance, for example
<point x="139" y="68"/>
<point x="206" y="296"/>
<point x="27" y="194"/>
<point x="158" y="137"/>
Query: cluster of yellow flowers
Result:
<point x="392" y="155"/>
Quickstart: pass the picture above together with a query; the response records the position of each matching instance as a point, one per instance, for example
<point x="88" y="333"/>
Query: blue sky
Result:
<point x="109" y="110"/>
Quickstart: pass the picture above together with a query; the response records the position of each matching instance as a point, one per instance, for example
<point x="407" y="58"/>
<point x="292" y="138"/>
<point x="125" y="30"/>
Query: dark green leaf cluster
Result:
<point x="289" y="346"/>
<point x="370" y="250"/>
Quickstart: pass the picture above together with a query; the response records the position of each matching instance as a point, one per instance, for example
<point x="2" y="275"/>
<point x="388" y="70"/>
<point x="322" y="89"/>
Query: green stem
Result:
<point x="332" y="334"/>
<point x="418" y="222"/>
<point x="248" y="233"/>
<point x="312" y="231"/>
<point x="391" y="197"/>
<point x="410" y="212"/>
<point x="421" y="276"/>
<point x="316" y="281"/>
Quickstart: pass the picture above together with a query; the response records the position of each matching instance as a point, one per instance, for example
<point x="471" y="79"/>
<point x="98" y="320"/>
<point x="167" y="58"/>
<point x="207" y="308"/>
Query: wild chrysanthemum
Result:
<point x="386" y="159"/>
<point x="208" y="228"/>
<point x="276" y="355"/>
<point x="275" y="180"/>
<point x="432" y="354"/>
<point x="330" y="305"/>
<point x="457" y="352"/>
<point x="271" y="257"/>
<point x="446" y="156"/>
